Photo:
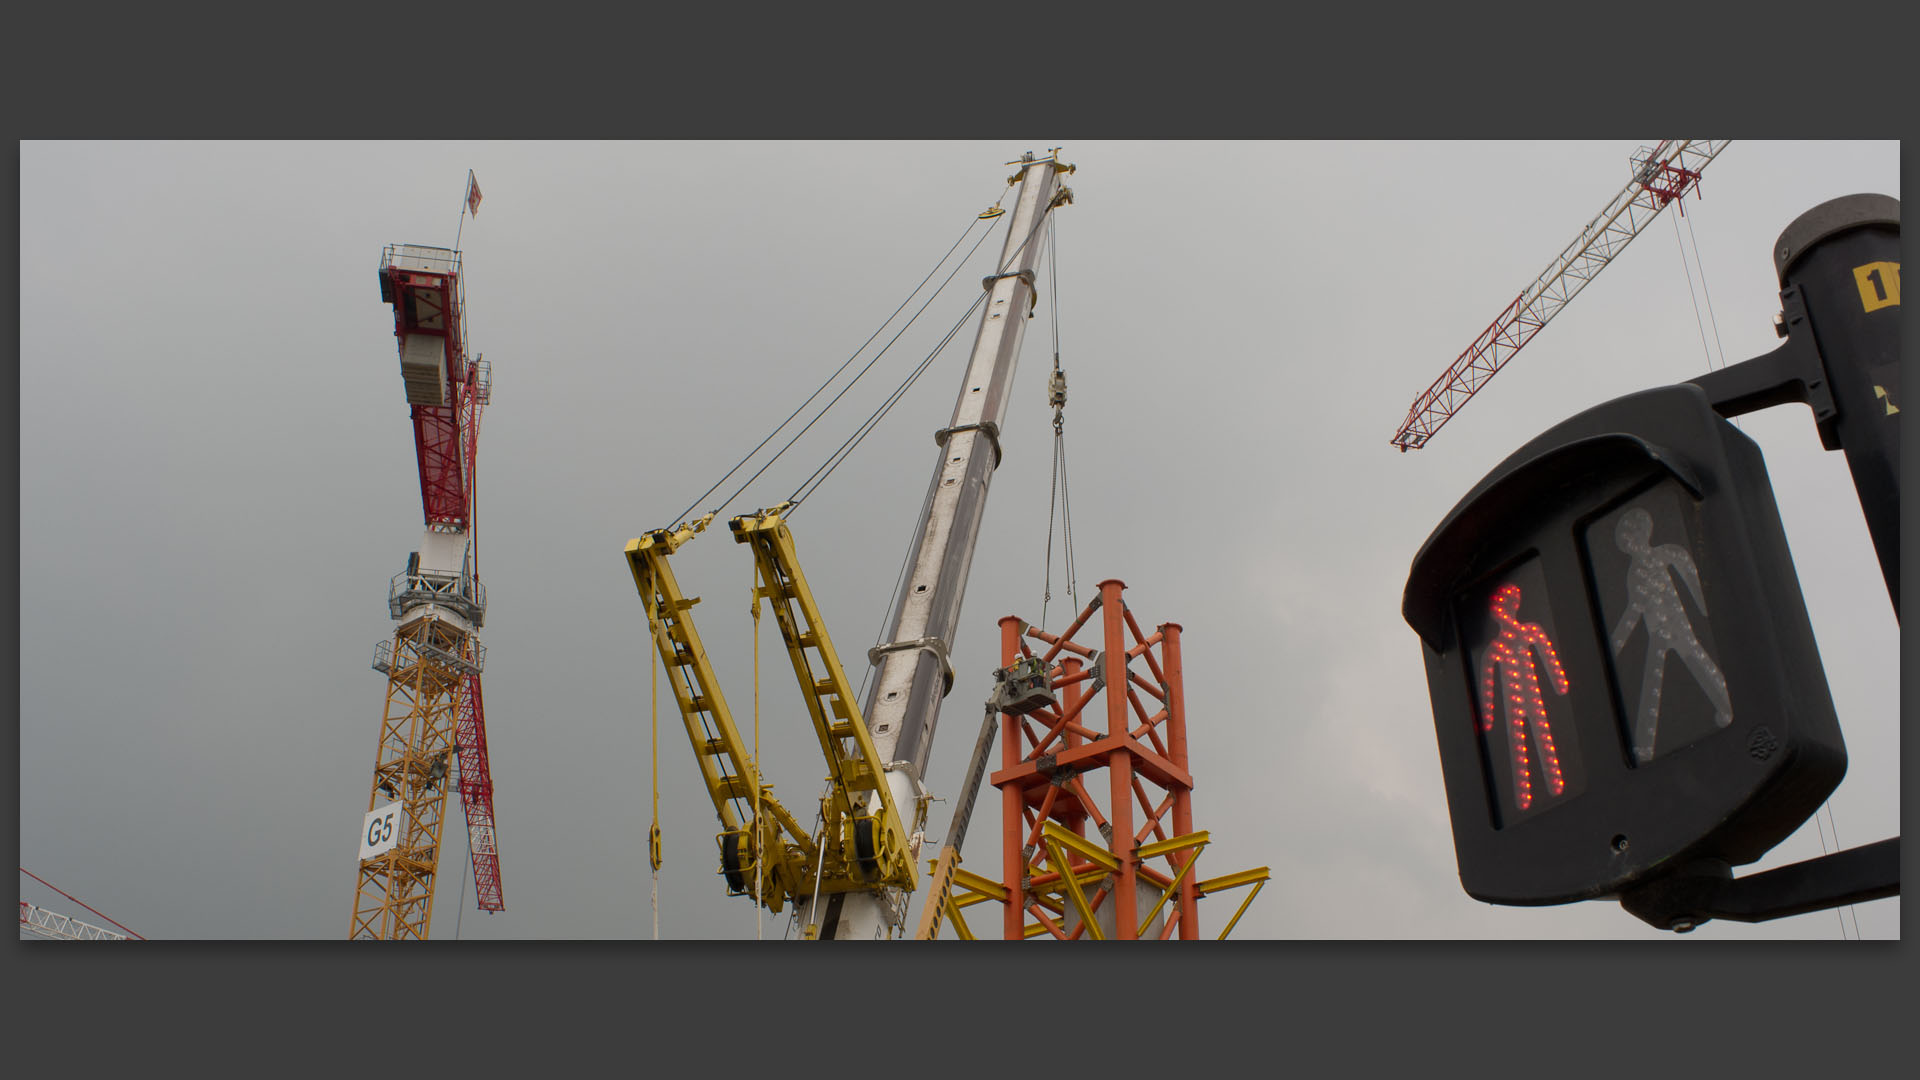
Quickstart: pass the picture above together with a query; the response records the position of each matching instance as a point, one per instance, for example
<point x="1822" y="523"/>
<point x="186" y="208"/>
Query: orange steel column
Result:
<point x="1050" y="751"/>
<point x="1126" y="896"/>
<point x="1070" y="696"/>
<point x="1177" y="751"/>
<point x="1012" y="831"/>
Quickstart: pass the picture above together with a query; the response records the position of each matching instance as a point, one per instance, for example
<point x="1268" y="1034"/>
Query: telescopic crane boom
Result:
<point x="913" y="673"/>
<point x="852" y="879"/>
<point x="1660" y="175"/>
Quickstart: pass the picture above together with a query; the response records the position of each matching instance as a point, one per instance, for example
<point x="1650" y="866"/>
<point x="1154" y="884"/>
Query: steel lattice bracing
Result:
<point x="476" y="796"/>
<point x="1110" y="751"/>
<point x="41" y="923"/>
<point x="732" y="777"/>
<point x="427" y="667"/>
<point x="1661" y="175"/>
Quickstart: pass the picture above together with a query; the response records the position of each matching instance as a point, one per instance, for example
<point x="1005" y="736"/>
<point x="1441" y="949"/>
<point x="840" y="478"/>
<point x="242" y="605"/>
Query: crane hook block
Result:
<point x="1057" y="389"/>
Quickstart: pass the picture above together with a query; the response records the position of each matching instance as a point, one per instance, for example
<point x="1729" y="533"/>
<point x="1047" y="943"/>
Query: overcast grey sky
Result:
<point x="218" y="480"/>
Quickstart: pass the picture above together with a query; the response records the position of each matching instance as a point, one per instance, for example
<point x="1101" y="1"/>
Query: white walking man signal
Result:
<point x="1652" y="599"/>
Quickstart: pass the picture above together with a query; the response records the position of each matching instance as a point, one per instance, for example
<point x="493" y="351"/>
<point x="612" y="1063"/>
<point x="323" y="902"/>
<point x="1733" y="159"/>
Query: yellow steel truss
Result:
<point x="858" y="809"/>
<point x="414" y="766"/>
<point x="1077" y="863"/>
<point x="728" y="768"/>
<point x="862" y="842"/>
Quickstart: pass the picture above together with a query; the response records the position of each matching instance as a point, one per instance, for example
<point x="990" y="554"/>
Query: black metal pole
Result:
<point x="1844" y="255"/>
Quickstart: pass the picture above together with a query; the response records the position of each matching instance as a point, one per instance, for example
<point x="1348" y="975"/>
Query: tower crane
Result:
<point x="1661" y="174"/>
<point x="854" y="881"/>
<point x="434" y="722"/>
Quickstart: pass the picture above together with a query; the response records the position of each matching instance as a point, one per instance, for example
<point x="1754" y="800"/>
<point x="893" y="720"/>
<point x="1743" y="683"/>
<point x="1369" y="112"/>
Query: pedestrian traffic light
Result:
<point x="1623" y="675"/>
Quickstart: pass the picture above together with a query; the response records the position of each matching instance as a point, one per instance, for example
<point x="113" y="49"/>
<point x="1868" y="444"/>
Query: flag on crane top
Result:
<point x="473" y="194"/>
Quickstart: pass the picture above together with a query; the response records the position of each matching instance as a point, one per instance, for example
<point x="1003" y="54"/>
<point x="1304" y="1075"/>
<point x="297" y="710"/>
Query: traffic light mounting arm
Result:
<point x="1793" y="372"/>
<point x="1707" y="890"/>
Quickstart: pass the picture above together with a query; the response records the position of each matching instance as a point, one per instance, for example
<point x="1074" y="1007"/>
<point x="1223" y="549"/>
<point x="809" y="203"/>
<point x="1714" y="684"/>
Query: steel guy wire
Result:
<point x="861" y="433"/>
<point x="812" y="483"/>
<point x="844" y="364"/>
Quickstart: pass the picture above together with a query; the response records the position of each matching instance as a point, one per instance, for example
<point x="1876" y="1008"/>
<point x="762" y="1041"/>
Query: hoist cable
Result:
<point x="1711" y="320"/>
<point x="1053" y="287"/>
<point x="1691" y="296"/>
<point x="653" y="831"/>
<point x="1834" y="829"/>
<point x="759" y="860"/>
<point x="1066" y="529"/>
<point x="1053" y="491"/>
<point x="849" y="360"/>
<point x="1057" y="487"/>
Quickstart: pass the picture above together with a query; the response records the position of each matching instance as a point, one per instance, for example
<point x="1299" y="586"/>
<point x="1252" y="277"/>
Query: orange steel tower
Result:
<point x="1079" y="746"/>
<point x="434" y="722"/>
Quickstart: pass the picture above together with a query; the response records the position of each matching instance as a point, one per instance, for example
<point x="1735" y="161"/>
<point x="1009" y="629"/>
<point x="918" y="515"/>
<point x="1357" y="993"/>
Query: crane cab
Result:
<point x="423" y="285"/>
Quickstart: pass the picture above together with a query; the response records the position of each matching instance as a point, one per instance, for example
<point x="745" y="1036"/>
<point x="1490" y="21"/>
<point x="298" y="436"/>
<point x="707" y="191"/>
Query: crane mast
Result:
<point x="434" y="721"/>
<point x="914" y="673"/>
<point x="1660" y="175"/>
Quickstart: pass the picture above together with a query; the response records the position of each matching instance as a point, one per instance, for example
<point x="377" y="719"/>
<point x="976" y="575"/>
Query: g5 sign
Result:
<point x="381" y="831"/>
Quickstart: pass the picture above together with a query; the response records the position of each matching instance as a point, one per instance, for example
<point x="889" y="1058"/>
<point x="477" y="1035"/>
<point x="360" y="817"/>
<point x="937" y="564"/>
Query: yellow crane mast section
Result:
<point x="725" y="762"/>
<point x="863" y="843"/>
<point x="858" y="809"/>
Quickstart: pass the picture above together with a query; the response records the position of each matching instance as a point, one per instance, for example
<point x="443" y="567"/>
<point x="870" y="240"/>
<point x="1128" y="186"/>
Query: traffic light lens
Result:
<point x="1655" y="608"/>
<point x="1522" y="707"/>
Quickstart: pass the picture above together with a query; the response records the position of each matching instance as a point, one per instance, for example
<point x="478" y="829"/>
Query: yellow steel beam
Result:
<point x="1089" y="850"/>
<point x="959" y="921"/>
<point x="1231" y="923"/>
<point x="1234" y="881"/>
<point x="990" y="890"/>
<point x="1168" y="847"/>
<point x="1057" y="848"/>
<point x="1197" y="841"/>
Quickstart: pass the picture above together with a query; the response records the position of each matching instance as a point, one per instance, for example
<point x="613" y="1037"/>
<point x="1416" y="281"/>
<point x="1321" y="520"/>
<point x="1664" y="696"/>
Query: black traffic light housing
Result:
<point x="1623" y="674"/>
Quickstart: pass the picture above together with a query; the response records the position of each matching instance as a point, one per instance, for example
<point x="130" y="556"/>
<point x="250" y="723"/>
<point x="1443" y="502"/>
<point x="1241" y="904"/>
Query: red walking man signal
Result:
<point x="1511" y="656"/>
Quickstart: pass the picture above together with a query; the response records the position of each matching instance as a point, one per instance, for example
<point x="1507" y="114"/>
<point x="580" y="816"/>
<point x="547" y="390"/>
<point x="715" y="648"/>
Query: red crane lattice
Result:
<point x="1661" y="174"/>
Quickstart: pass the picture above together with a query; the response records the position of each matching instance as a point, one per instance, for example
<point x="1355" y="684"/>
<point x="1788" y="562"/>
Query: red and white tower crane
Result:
<point x="38" y="922"/>
<point x="1661" y="174"/>
<point x="434" y="720"/>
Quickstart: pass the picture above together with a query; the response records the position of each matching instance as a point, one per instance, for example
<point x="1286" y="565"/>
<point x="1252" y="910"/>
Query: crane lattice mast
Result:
<point x="1661" y="174"/>
<point x="434" y="722"/>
